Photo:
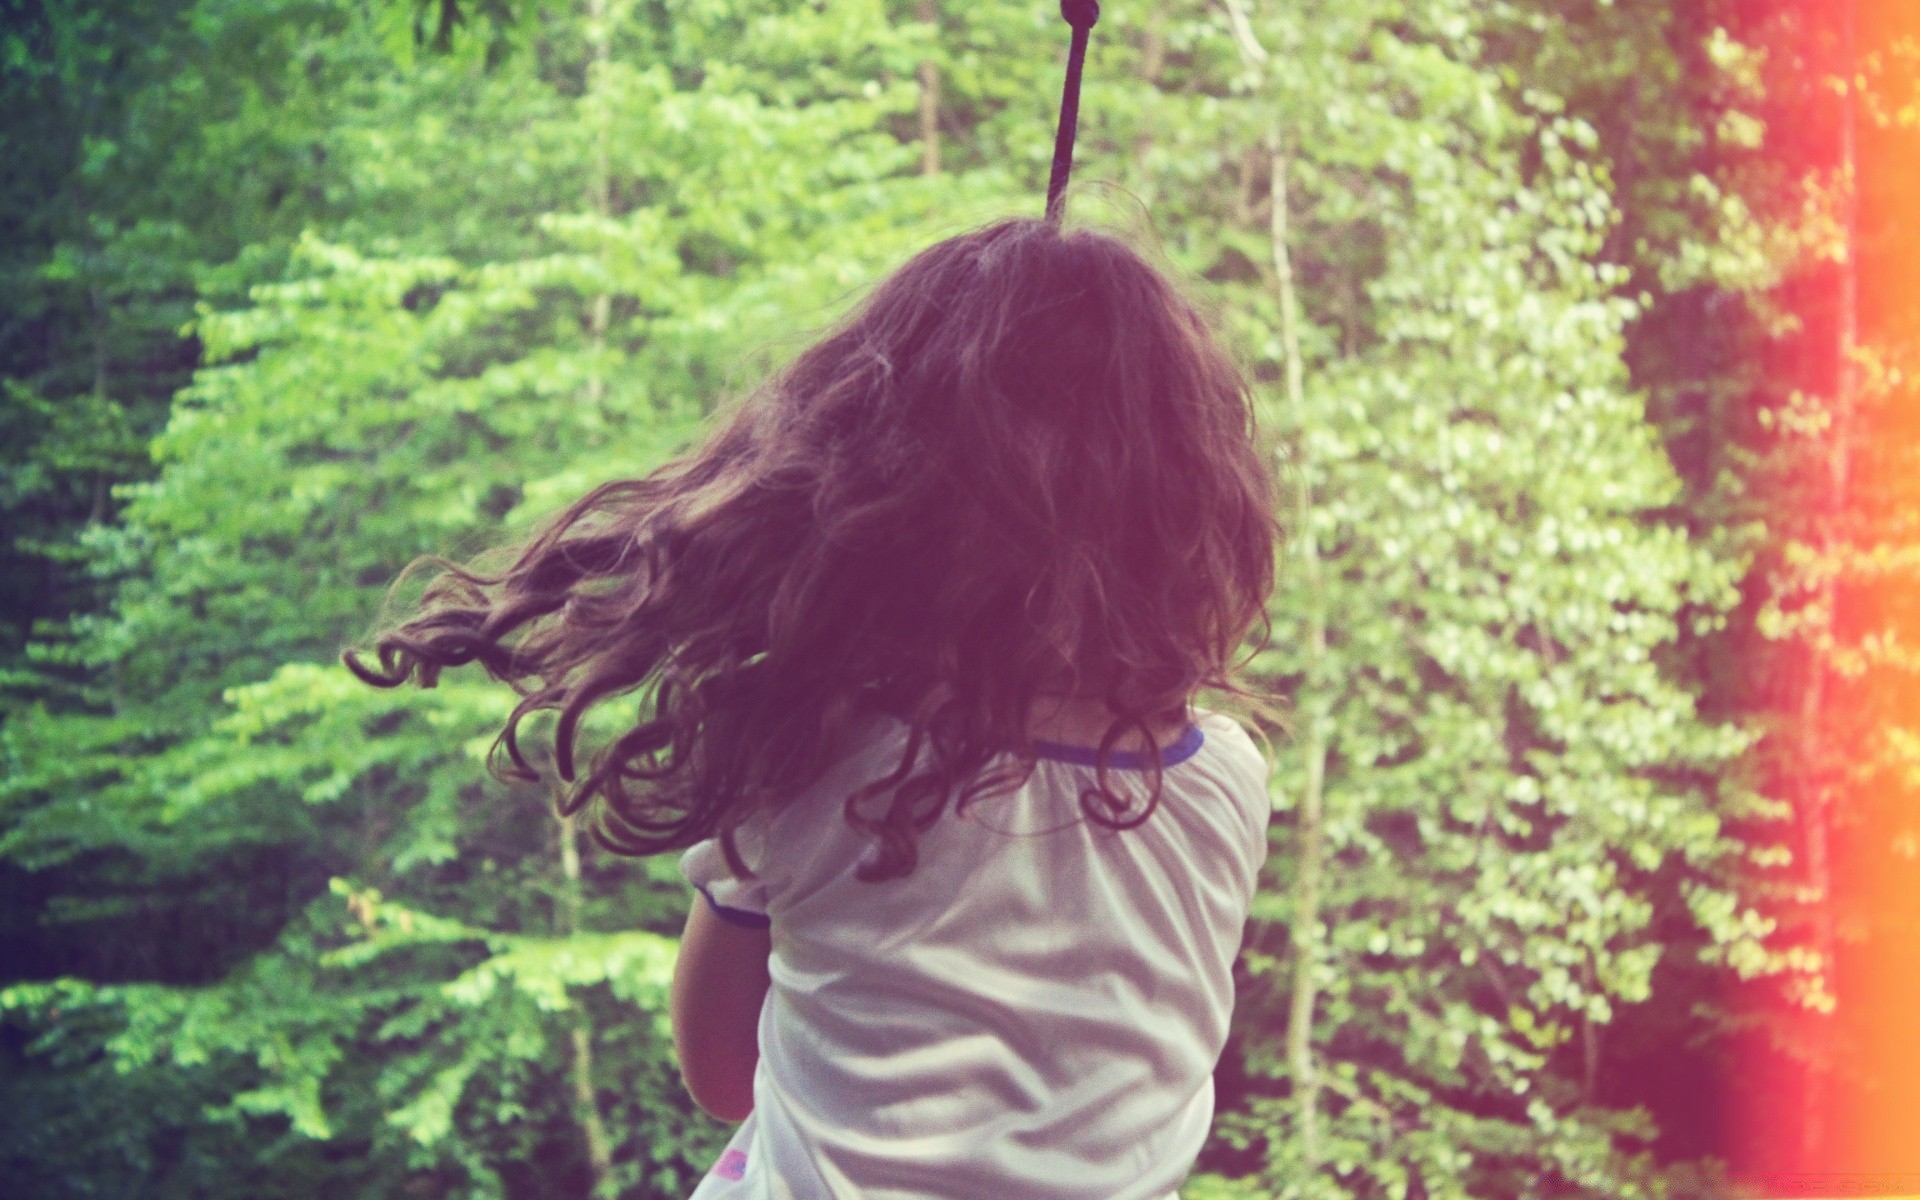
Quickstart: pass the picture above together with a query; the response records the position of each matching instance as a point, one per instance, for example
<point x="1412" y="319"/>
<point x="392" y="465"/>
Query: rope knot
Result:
<point x="1081" y="14"/>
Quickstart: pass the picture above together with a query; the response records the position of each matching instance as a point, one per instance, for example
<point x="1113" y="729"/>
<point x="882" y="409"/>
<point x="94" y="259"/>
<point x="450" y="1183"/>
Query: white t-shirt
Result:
<point x="1029" y="1014"/>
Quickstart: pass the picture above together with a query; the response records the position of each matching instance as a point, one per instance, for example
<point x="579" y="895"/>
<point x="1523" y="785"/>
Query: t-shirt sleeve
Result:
<point x="1251" y="774"/>
<point x="1259" y="809"/>
<point x="738" y="901"/>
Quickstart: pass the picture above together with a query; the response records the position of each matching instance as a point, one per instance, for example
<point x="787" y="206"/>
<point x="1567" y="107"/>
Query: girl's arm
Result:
<point x="719" y="984"/>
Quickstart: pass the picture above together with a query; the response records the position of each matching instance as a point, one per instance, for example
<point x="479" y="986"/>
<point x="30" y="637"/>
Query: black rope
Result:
<point x="1082" y="15"/>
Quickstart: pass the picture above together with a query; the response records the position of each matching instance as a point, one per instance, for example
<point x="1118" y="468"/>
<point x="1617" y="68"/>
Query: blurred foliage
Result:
<point x="1823" y="467"/>
<point x="300" y="290"/>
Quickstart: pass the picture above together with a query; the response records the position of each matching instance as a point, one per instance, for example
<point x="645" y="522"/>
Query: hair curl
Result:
<point x="1021" y="468"/>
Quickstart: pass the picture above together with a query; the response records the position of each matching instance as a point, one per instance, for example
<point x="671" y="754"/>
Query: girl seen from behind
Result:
<point x="915" y="638"/>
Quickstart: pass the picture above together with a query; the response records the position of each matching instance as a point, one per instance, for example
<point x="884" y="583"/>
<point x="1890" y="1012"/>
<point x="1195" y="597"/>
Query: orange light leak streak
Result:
<point x="1884" y="1122"/>
<point x="1853" y="1129"/>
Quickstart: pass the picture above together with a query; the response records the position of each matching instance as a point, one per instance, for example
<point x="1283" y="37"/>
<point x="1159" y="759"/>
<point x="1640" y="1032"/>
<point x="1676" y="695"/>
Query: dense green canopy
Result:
<point x="299" y="290"/>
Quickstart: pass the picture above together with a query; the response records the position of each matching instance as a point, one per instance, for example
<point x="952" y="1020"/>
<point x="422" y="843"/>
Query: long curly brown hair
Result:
<point x="1021" y="468"/>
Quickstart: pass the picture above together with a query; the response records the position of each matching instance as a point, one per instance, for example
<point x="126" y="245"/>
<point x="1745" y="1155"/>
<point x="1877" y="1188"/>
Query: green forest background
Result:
<point x="292" y="291"/>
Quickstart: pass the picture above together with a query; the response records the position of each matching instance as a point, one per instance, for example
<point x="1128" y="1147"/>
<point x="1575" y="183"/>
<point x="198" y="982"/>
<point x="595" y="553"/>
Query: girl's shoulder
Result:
<point x="1242" y="770"/>
<point x="1230" y="740"/>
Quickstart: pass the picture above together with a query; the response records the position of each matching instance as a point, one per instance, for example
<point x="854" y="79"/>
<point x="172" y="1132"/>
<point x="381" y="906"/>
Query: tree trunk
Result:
<point x="1822" y="764"/>
<point x="599" y="191"/>
<point x="1313" y="693"/>
<point x="586" y="1105"/>
<point x="929" y="12"/>
<point x="1314" y="702"/>
<point x="1153" y="63"/>
<point x="599" y="313"/>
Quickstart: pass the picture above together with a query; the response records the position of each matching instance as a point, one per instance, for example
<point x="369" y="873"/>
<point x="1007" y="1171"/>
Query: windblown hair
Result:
<point x="1021" y="468"/>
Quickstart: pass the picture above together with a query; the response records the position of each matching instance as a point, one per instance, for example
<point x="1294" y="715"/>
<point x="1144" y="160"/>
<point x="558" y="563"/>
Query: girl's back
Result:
<point x="1034" y="1012"/>
<point x="1022" y="472"/>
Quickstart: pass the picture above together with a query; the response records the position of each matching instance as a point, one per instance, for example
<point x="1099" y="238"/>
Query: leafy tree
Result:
<point x="518" y="250"/>
<point x="156" y="158"/>
<point x="1495" y="782"/>
<point x="544" y="270"/>
<point x="1826" y="469"/>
